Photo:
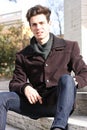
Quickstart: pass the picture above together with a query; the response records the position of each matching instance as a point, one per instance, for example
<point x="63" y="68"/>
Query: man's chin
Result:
<point x="39" y="37"/>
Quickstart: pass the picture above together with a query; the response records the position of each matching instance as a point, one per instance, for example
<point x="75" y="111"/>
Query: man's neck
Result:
<point x="43" y="41"/>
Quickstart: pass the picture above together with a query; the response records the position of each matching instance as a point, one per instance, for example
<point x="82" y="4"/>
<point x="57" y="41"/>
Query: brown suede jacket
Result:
<point x="63" y="58"/>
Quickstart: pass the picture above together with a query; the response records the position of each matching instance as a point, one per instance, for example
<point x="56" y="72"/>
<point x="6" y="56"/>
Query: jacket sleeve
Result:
<point x="19" y="80"/>
<point x="79" y="66"/>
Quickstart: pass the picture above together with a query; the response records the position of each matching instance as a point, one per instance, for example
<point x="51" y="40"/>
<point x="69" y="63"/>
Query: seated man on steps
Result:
<point x="42" y="85"/>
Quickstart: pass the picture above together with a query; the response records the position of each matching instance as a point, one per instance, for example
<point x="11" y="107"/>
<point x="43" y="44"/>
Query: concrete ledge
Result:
<point x="81" y="104"/>
<point x="25" y="123"/>
<point x="80" y="121"/>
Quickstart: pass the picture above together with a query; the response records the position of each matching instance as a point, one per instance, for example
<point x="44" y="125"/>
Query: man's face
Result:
<point x="40" y="26"/>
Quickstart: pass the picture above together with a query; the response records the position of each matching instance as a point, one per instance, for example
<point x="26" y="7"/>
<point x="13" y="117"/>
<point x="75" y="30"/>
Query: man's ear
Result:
<point x="50" y="22"/>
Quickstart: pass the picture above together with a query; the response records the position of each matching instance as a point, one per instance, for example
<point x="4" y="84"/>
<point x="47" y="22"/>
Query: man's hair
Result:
<point x="36" y="10"/>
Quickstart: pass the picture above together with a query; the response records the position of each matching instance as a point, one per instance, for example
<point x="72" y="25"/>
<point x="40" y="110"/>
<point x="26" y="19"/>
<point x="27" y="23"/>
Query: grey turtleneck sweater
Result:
<point x="43" y="50"/>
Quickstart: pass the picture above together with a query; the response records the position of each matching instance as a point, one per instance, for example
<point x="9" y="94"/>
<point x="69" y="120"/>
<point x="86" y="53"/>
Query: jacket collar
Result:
<point x="58" y="43"/>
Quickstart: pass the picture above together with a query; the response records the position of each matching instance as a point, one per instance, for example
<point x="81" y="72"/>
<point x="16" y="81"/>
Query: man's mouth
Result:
<point x="39" y="33"/>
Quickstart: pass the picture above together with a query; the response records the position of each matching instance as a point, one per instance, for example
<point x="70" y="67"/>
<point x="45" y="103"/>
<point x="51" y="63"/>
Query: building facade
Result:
<point x="11" y="18"/>
<point x="75" y="23"/>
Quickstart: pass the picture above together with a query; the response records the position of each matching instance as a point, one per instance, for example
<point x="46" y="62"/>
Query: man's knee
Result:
<point x="66" y="80"/>
<point x="2" y="99"/>
<point x="66" y="77"/>
<point x="6" y="98"/>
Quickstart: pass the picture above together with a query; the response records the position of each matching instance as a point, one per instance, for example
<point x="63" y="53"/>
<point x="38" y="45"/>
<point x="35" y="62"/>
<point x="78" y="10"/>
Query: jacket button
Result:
<point x="46" y="65"/>
<point x="48" y="81"/>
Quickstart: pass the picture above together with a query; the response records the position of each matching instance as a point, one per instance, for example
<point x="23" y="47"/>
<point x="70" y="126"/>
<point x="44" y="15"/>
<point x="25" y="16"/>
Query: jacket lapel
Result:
<point x="58" y="43"/>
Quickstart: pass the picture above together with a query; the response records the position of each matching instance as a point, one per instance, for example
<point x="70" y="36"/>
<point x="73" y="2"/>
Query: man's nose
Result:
<point x="38" y="26"/>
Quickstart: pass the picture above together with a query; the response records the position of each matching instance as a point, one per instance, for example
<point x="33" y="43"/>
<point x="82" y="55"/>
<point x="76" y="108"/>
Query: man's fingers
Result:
<point x="32" y="99"/>
<point x="35" y="98"/>
<point x="32" y="95"/>
<point x="40" y="100"/>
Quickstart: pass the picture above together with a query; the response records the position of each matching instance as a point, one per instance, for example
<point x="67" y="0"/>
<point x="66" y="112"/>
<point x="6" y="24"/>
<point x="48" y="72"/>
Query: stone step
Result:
<point x="77" y="123"/>
<point x="81" y="104"/>
<point x="9" y="127"/>
<point x="24" y="123"/>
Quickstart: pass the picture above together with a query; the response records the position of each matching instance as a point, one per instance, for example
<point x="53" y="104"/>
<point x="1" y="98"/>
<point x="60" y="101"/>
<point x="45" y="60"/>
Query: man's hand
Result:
<point x="32" y="95"/>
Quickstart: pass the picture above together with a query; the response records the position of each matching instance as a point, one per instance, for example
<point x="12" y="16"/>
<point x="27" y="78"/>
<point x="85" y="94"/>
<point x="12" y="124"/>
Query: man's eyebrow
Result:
<point x="38" y="22"/>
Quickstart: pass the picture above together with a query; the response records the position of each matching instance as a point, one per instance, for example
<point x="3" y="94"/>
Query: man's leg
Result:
<point x="19" y="103"/>
<point x="65" y="102"/>
<point x="8" y="100"/>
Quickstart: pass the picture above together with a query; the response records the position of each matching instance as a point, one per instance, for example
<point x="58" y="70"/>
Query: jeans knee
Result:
<point x="66" y="80"/>
<point x="4" y="99"/>
<point x="66" y="77"/>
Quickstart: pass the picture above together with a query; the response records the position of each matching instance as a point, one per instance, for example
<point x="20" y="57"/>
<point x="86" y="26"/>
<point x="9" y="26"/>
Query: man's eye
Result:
<point x="41" y="23"/>
<point x="34" y="25"/>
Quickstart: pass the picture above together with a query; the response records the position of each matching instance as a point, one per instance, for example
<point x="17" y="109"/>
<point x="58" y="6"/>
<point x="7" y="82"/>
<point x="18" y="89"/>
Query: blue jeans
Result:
<point x="66" y="93"/>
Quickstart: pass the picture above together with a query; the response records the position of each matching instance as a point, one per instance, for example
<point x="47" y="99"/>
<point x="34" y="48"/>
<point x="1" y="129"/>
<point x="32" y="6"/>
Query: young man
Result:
<point x="47" y="64"/>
